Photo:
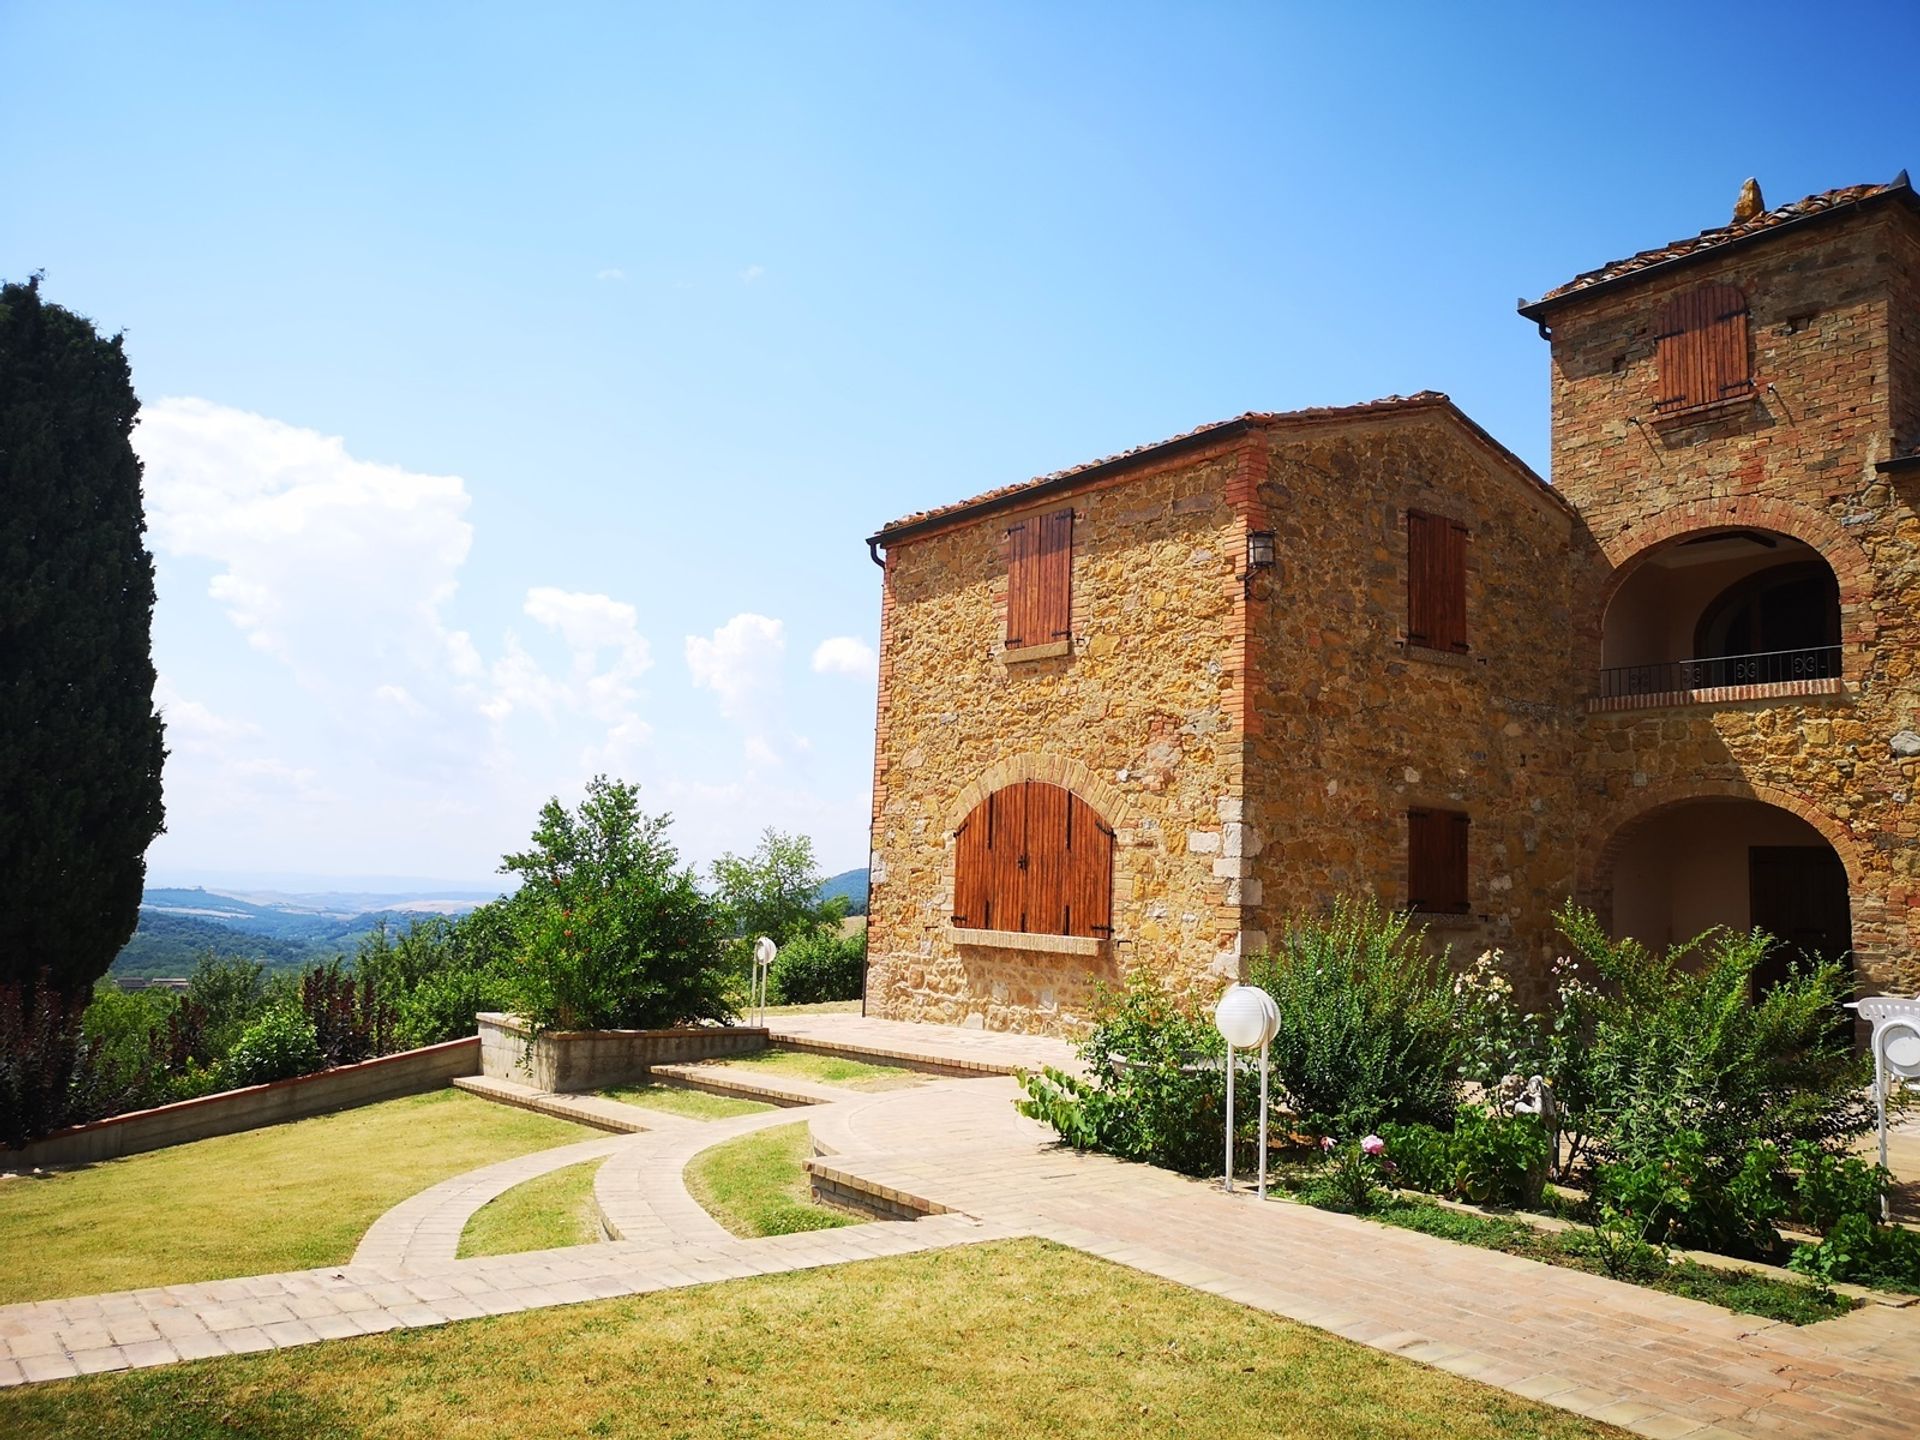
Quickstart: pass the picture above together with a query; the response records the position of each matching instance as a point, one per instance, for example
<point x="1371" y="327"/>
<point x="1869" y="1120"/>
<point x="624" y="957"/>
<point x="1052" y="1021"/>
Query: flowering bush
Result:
<point x="1488" y="1158"/>
<point x="1353" y="1172"/>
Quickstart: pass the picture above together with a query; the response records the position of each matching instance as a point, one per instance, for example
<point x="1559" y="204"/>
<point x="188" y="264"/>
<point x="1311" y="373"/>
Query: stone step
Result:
<point x="952" y="1066"/>
<point x="773" y="1089"/>
<point x="594" y="1110"/>
<point x="844" y="1189"/>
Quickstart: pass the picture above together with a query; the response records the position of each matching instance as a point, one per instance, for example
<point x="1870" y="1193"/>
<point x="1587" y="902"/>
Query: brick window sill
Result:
<point x="1720" y="695"/>
<point x="1052" y="650"/>
<point x="1455" y="659"/>
<point x="1712" y="409"/>
<point x="1019" y="940"/>
<point x="1445" y="919"/>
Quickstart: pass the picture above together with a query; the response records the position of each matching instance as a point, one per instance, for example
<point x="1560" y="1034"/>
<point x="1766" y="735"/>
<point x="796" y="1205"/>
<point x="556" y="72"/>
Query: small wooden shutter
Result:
<point x="1089" y="885"/>
<point x="1702" y="348"/>
<point x="1437" y="861"/>
<point x="1045" y="873"/>
<point x="972" y="901"/>
<point x="1007" y="859"/>
<point x="1040" y="580"/>
<point x="1436" y="582"/>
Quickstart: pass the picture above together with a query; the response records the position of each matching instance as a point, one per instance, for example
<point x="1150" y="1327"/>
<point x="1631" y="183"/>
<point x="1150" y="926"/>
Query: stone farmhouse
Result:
<point x="1141" y="711"/>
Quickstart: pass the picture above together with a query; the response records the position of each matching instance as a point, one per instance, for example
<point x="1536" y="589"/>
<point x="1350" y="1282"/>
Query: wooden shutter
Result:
<point x="1040" y="580"/>
<point x="1436" y="582"/>
<point x="1702" y="348"/>
<point x="1007" y="858"/>
<point x="1034" y="857"/>
<point x="971" y="865"/>
<point x="1089" y="867"/>
<point x="1437" y="861"/>
<point x="1045" y="873"/>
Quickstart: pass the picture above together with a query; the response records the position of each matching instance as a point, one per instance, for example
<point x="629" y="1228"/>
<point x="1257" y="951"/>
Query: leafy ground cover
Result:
<point x="1746" y="1291"/>
<point x="825" y="1069"/>
<point x="287" y="1197"/>
<point x="545" y="1213"/>
<point x="985" y="1355"/>
<point x="757" y="1185"/>
<point x="689" y="1104"/>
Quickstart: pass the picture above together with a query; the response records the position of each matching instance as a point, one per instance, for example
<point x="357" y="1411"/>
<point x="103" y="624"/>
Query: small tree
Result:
<point x="774" y="891"/>
<point x="609" y="931"/>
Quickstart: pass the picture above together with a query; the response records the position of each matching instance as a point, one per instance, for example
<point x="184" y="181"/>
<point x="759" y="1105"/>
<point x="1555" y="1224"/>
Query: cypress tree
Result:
<point x="80" y="742"/>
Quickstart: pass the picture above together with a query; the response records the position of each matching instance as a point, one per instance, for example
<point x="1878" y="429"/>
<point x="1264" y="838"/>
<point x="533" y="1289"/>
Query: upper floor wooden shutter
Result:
<point x="1702" y="344"/>
<point x="1436" y="582"/>
<point x="1437" y="861"/>
<point x="1040" y="580"/>
<point x="1035" y="858"/>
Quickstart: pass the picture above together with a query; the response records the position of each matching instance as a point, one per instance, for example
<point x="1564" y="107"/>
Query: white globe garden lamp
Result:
<point x="763" y="952"/>
<point x="1247" y="1019"/>
<point x="1896" y="1055"/>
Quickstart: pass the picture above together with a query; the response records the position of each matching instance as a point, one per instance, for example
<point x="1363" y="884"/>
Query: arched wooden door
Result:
<point x="1037" y="859"/>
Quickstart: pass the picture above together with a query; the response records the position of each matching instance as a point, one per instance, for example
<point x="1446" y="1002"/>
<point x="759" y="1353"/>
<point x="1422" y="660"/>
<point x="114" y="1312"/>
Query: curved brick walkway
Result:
<point x="427" y="1226"/>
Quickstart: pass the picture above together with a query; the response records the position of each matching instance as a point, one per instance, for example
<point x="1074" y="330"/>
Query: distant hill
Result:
<point x="178" y="925"/>
<point x="850" y="883"/>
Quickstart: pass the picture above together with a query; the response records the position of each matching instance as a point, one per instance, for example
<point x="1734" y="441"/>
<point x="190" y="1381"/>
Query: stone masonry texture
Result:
<point x="1256" y="744"/>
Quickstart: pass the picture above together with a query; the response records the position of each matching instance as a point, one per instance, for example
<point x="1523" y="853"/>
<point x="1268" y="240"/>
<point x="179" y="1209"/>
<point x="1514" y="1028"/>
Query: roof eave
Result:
<point x="1538" y="310"/>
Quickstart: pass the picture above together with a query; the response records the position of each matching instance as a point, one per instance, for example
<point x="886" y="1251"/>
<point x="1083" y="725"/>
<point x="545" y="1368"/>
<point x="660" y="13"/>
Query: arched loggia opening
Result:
<point x="1745" y="864"/>
<point x="1723" y="608"/>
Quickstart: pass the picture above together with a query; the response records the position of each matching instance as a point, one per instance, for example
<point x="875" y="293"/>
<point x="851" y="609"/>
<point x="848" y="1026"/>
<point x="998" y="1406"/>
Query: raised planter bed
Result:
<point x="593" y="1059"/>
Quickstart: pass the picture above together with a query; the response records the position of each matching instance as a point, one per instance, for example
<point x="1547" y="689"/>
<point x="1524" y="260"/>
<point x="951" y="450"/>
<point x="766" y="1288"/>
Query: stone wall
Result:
<point x="1799" y="458"/>
<point x="1135" y="719"/>
<point x="574" y="1060"/>
<point x="1354" y="726"/>
<point x="390" y="1076"/>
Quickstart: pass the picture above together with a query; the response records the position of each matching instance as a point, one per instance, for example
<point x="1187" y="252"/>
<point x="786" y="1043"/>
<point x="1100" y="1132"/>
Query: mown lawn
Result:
<point x="824" y="1069"/>
<point x="692" y="1104"/>
<point x="757" y="1185"/>
<point x="288" y="1197"/>
<point x="1020" y="1338"/>
<point x="544" y="1213"/>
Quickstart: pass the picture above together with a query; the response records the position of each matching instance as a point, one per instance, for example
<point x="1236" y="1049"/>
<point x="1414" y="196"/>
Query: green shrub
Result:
<point x="1351" y="1175"/>
<point x="1859" y="1250"/>
<point x="609" y="932"/>
<point x="278" y="1046"/>
<point x="1487" y="1158"/>
<point x="1691" y="1196"/>
<point x="1829" y="1188"/>
<point x="1369" y="1023"/>
<point x="1155" y="1090"/>
<point x="1661" y="1044"/>
<point x="818" y="968"/>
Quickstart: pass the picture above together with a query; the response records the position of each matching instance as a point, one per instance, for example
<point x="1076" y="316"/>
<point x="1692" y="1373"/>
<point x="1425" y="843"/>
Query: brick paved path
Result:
<point x="1656" y="1364"/>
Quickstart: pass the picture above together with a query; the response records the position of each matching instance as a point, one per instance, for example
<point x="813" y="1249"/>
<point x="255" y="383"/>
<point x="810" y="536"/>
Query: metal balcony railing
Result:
<point x="1667" y="677"/>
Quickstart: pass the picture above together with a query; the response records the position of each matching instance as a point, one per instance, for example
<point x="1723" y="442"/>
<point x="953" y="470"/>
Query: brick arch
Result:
<point x="1059" y="770"/>
<point x="1596" y="870"/>
<point x="1626" y="551"/>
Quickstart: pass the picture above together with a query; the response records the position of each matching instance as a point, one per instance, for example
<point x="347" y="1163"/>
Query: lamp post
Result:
<point x="1247" y="1017"/>
<point x="763" y="952"/>
<point x="1896" y="1056"/>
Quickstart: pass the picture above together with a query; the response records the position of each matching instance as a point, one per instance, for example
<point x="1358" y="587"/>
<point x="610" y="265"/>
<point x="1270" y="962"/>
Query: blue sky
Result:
<point x="520" y="381"/>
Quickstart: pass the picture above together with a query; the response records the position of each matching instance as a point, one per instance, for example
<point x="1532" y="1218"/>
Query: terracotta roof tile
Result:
<point x="1423" y="399"/>
<point x="1804" y="209"/>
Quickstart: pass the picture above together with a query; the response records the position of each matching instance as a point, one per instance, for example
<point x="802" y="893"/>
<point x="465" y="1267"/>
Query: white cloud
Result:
<point x="752" y="274"/>
<point x="844" y="655"/>
<point x="739" y="662"/>
<point x="345" y="572"/>
<point x="612" y="272"/>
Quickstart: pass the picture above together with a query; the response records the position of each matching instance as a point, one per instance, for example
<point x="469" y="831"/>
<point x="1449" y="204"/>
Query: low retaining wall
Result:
<point x="387" y="1078"/>
<point x="590" y="1059"/>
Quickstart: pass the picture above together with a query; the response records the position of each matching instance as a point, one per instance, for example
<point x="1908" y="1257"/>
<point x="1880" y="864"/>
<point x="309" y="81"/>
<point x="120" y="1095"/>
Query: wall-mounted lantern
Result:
<point x="1260" y="554"/>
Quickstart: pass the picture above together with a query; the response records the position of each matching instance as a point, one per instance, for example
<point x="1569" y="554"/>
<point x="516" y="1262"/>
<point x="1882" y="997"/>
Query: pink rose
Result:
<point x="1374" y="1145"/>
<point x="1326" y="1143"/>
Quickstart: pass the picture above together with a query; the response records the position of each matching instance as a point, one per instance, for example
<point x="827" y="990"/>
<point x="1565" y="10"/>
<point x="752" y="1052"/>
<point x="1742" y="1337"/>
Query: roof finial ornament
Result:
<point x="1749" y="204"/>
